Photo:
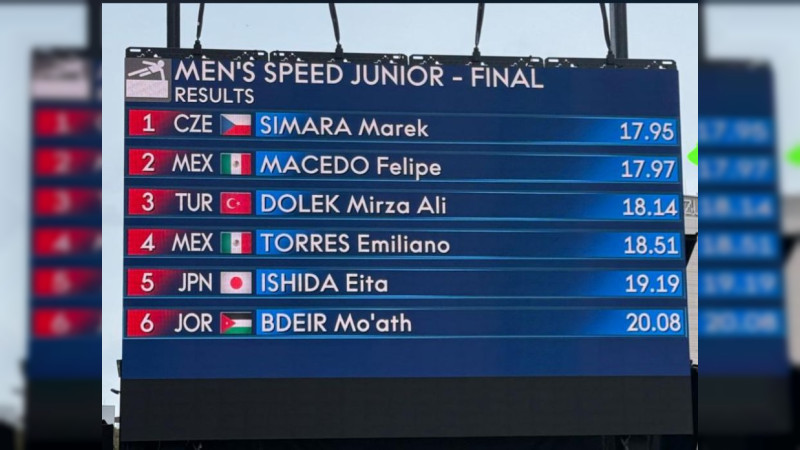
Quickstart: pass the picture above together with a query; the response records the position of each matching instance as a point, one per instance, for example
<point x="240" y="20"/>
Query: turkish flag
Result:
<point x="235" y="203"/>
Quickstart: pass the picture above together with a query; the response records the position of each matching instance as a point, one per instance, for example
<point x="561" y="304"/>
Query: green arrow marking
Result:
<point x="794" y="156"/>
<point x="693" y="156"/>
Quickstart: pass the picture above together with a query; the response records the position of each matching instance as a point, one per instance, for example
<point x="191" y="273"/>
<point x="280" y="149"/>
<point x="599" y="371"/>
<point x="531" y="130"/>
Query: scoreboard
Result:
<point x="65" y="255"/>
<point x="742" y="320"/>
<point x="414" y="249"/>
<point x="65" y="244"/>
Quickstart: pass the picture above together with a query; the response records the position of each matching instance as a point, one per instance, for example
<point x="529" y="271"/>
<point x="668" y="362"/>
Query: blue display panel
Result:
<point x="65" y="222"/>
<point x="741" y="321"/>
<point x="435" y="221"/>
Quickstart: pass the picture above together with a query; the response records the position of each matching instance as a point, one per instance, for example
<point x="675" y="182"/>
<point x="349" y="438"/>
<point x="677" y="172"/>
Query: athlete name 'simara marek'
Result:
<point x="286" y="124"/>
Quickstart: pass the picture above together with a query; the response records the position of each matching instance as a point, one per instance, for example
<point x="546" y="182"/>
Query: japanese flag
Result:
<point x="236" y="283"/>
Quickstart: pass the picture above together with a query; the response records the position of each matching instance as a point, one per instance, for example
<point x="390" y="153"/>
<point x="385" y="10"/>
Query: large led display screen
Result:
<point x="342" y="249"/>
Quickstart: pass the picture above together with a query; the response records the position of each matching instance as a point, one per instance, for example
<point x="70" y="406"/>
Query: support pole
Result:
<point x="691" y="243"/>
<point x="94" y="39"/>
<point x="619" y="30"/>
<point x="173" y="25"/>
<point x="701" y="32"/>
<point x="789" y="246"/>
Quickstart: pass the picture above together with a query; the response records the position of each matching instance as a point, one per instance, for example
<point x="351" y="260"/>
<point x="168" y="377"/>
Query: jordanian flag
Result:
<point x="236" y="243"/>
<point x="235" y="164"/>
<point x="236" y="323"/>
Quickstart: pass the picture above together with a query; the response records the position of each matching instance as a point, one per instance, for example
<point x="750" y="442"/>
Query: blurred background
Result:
<point x="748" y="127"/>
<point x="749" y="111"/>
<point x="50" y="232"/>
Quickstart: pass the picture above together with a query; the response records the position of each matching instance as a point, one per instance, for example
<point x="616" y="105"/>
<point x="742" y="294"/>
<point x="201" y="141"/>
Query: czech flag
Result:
<point x="235" y="125"/>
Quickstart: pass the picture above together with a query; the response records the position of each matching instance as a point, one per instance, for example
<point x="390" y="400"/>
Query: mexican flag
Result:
<point x="236" y="164"/>
<point x="236" y="243"/>
<point x="236" y="323"/>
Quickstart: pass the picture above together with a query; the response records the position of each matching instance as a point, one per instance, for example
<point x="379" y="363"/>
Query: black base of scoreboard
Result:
<point x="219" y="409"/>
<point x="672" y="442"/>
<point x="745" y="405"/>
<point x="61" y="412"/>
